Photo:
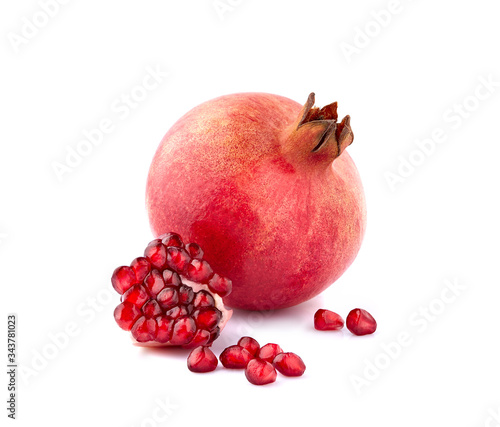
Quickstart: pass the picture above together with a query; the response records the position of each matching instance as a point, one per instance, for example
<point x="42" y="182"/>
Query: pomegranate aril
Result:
<point x="136" y="295"/>
<point x="123" y="279"/>
<point x="194" y="250"/>
<point x="156" y="253"/>
<point x="289" y="364"/>
<point x="168" y="297"/>
<point x="186" y="295"/>
<point x="151" y="309"/>
<point x="207" y="318"/>
<point x="220" y="285"/>
<point x="214" y="334"/>
<point x="165" y="327"/>
<point x="202" y="337"/>
<point x="269" y="351"/>
<point x="260" y="372"/>
<point x="202" y="359"/>
<point x="141" y="267"/>
<point x="326" y="320"/>
<point x="199" y="271"/>
<point x="176" y="312"/>
<point x="250" y="344"/>
<point x="235" y="357"/>
<point x="126" y="314"/>
<point x="178" y="259"/>
<point x="145" y="330"/>
<point x="183" y="331"/>
<point x="171" y="278"/>
<point x="154" y="282"/>
<point x="171" y="239"/>
<point x="360" y="322"/>
<point x="203" y="299"/>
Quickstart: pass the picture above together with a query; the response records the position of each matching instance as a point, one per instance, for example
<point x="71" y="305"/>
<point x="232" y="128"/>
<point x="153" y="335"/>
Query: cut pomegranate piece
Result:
<point x="360" y="322"/>
<point x="202" y="359"/>
<point x="161" y="305"/>
<point x="235" y="357"/>
<point x="250" y="344"/>
<point x="269" y="351"/>
<point x="289" y="364"/>
<point x="326" y="320"/>
<point x="260" y="372"/>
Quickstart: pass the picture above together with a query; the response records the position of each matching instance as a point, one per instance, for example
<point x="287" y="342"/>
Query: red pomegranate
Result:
<point x="265" y="187"/>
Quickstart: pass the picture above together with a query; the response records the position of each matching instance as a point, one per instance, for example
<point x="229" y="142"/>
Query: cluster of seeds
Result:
<point x="358" y="321"/>
<point x="260" y="363"/>
<point x="171" y="295"/>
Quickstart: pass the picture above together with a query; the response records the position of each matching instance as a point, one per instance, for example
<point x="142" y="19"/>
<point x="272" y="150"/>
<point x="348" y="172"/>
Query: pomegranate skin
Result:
<point x="265" y="187"/>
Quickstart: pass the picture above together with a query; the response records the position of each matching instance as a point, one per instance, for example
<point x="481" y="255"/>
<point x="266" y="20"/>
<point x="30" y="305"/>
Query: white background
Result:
<point x="61" y="239"/>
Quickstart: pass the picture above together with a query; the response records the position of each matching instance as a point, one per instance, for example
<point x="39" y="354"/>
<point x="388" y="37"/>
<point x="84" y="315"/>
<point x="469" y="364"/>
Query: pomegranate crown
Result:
<point x="317" y="130"/>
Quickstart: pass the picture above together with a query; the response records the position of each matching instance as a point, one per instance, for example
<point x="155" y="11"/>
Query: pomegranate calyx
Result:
<point x="318" y="131"/>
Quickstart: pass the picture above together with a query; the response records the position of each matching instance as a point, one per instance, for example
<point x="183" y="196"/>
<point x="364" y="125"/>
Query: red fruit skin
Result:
<point x="360" y="322"/>
<point x="289" y="364"/>
<point x="326" y="320"/>
<point x="279" y="220"/>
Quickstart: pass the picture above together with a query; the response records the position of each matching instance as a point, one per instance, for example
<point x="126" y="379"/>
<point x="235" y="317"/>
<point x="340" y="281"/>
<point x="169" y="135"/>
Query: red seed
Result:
<point x="123" y="279"/>
<point x="199" y="271"/>
<point x="186" y="295"/>
<point x="141" y="267"/>
<point x="184" y="331"/>
<point x="203" y="299"/>
<point x="145" y="330"/>
<point x="250" y="344"/>
<point x="194" y="250"/>
<point x="207" y="317"/>
<point x="269" y="351"/>
<point x="289" y="364"/>
<point x="360" y="322"/>
<point x="176" y="312"/>
<point x="168" y="297"/>
<point x="202" y="359"/>
<point x="171" y="239"/>
<point x="220" y="285"/>
<point x="260" y="372"/>
<point x="126" y="314"/>
<point x="326" y="320"/>
<point x="165" y="328"/>
<point x="171" y="278"/>
<point x="235" y="357"/>
<point x="202" y="337"/>
<point x="156" y="253"/>
<point x="154" y="282"/>
<point x="136" y="295"/>
<point x="178" y="259"/>
<point x="151" y="309"/>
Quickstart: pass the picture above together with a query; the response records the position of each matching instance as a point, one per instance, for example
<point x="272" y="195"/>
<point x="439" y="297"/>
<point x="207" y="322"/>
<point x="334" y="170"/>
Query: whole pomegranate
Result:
<point x="264" y="185"/>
